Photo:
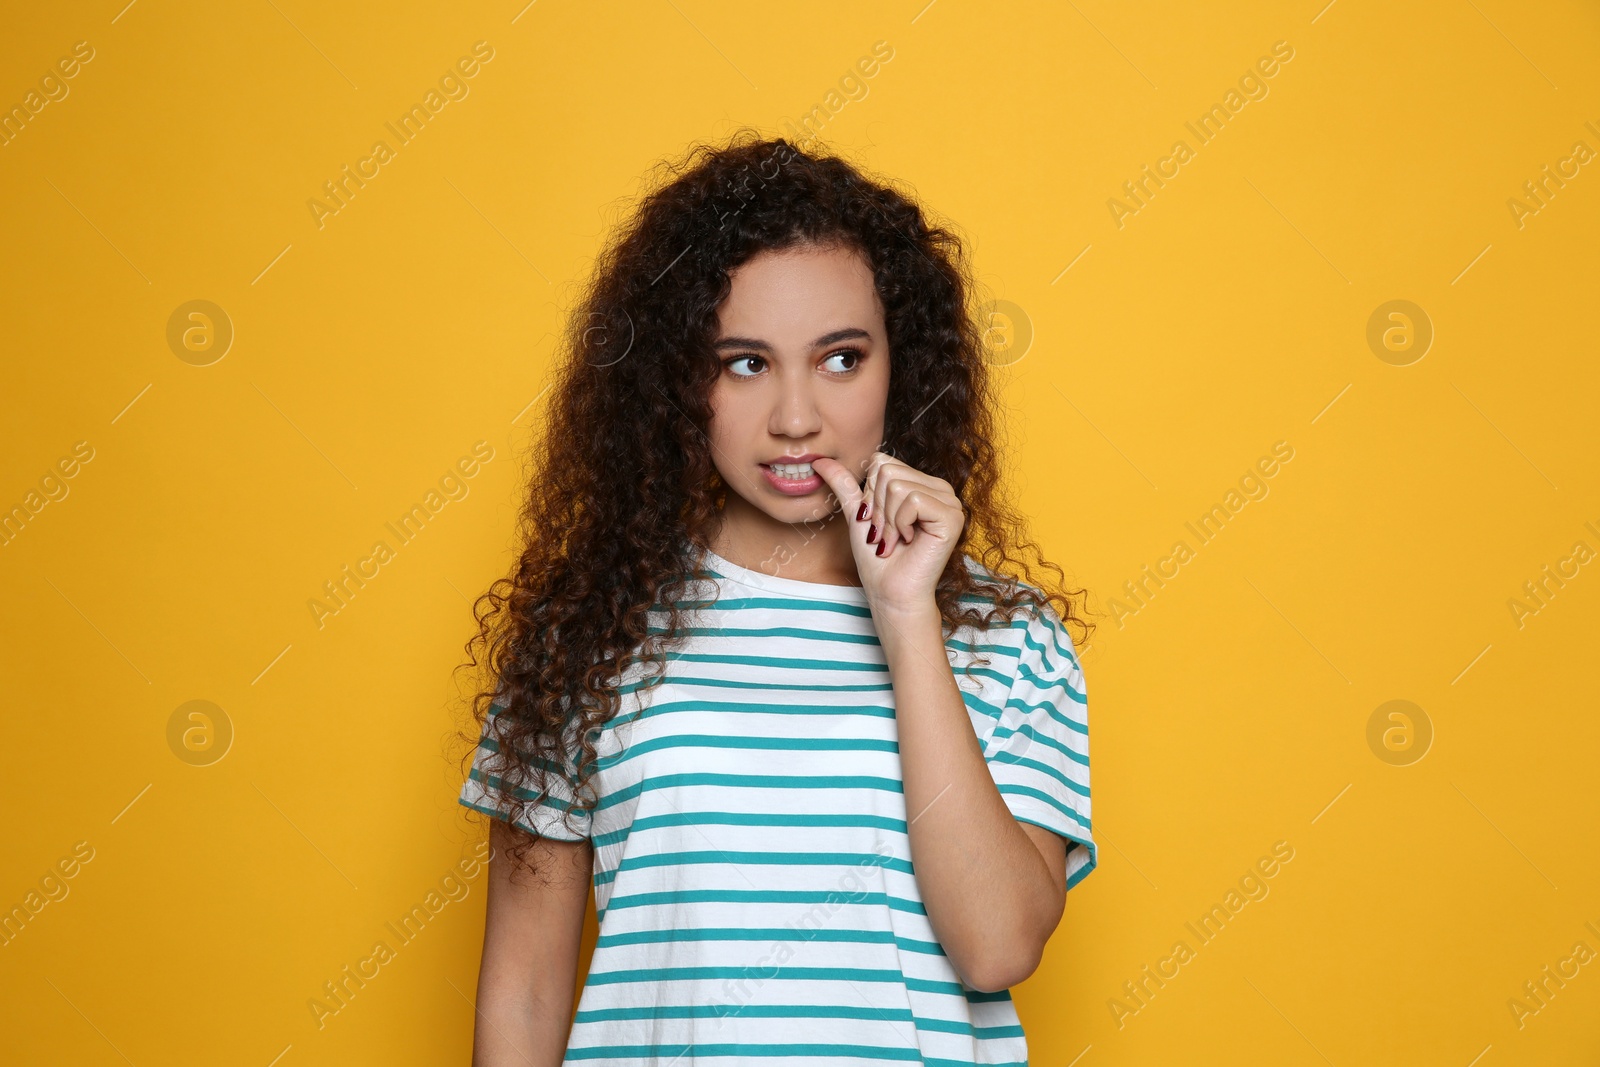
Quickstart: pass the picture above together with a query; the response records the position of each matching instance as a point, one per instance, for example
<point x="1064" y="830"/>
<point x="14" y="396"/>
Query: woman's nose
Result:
<point x="795" y="411"/>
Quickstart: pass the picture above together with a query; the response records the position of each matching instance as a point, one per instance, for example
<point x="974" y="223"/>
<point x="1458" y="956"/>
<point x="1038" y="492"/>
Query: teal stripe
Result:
<point x="499" y="785"/>
<point x="799" y="859"/>
<point x="1024" y="791"/>
<point x="982" y="707"/>
<point x="929" y="985"/>
<point x="808" y="633"/>
<point x="798" y="683"/>
<point x="1054" y="712"/>
<point x="650" y="711"/>
<point x="1060" y="641"/>
<point x="787" y="603"/>
<point x="1047" y="685"/>
<point x="985" y="672"/>
<point x="1034" y="765"/>
<point x="752" y="1011"/>
<point x="1035" y="737"/>
<point x="762" y="896"/>
<point x="743" y="818"/>
<point x="489" y="744"/>
<point x="652" y="975"/>
<point x="673" y="1053"/>
<point x="781" y="933"/>
<point x="794" y="663"/>
<point x="982" y="649"/>
<point x="1083" y="871"/>
<point x="966" y="1029"/>
<point x="780" y="744"/>
<point x="751" y="781"/>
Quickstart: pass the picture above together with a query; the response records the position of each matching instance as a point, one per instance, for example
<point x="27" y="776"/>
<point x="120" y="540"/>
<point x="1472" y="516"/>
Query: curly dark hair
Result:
<point x="622" y="482"/>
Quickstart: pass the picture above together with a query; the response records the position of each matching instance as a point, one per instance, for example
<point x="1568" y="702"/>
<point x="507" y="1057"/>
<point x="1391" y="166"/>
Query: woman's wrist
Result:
<point x="902" y="626"/>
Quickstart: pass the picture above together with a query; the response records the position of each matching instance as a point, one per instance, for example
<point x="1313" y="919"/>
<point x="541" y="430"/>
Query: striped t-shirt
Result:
<point x="752" y="872"/>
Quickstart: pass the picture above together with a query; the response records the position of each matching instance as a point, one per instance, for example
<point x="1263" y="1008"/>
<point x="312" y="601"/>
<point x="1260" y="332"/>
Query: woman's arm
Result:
<point x="532" y="931"/>
<point x="994" y="890"/>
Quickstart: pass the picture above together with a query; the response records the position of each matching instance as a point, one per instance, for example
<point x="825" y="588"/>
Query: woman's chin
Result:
<point x="789" y="510"/>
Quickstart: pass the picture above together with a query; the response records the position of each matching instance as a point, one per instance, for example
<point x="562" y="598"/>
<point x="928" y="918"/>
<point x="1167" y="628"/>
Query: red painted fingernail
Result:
<point x="881" y="545"/>
<point x="872" y="534"/>
<point x="861" y="512"/>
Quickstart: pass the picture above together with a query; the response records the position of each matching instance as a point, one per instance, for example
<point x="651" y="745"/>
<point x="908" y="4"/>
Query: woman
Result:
<point x="826" y="770"/>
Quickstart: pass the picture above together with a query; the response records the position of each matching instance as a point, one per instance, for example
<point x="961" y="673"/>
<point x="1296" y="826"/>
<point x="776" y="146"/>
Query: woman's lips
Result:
<point x="792" y="486"/>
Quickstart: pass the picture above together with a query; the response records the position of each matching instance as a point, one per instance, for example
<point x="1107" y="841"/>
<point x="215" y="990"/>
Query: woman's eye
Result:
<point x="741" y="359"/>
<point x="849" y="353"/>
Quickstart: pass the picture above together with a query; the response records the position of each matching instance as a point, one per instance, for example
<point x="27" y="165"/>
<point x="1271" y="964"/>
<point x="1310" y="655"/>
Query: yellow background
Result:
<point x="1228" y="713"/>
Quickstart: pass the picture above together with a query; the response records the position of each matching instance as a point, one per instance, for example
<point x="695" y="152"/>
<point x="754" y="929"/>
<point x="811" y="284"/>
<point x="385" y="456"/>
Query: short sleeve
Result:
<point x="487" y="791"/>
<point x="1038" y="749"/>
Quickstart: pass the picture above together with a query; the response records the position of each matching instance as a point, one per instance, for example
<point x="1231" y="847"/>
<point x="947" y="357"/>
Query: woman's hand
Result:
<point x="915" y="519"/>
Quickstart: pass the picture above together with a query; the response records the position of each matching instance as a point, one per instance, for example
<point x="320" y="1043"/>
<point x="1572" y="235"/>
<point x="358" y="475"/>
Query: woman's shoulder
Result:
<point x="993" y="584"/>
<point x="1034" y="619"/>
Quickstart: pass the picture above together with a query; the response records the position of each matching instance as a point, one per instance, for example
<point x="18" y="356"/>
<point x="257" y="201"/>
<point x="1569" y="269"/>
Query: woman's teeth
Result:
<point x="792" y="471"/>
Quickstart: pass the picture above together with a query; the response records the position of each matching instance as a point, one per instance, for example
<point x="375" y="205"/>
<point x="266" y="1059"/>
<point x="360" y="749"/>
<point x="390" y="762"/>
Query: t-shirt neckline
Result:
<point x="779" y="585"/>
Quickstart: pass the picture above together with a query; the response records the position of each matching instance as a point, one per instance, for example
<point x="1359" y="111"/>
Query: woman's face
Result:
<point x="805" y="372"/>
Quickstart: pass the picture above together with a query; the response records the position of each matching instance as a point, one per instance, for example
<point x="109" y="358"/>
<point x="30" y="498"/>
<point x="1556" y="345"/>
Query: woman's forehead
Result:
<point x="792" y="297"/>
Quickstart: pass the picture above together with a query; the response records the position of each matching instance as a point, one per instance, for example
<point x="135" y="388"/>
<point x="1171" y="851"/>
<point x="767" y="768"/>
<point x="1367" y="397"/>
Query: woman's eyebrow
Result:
<point x="849" y="333"/>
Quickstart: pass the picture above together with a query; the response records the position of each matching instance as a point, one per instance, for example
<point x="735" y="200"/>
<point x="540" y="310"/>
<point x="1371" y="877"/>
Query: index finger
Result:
<point x="840" y="479"/>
